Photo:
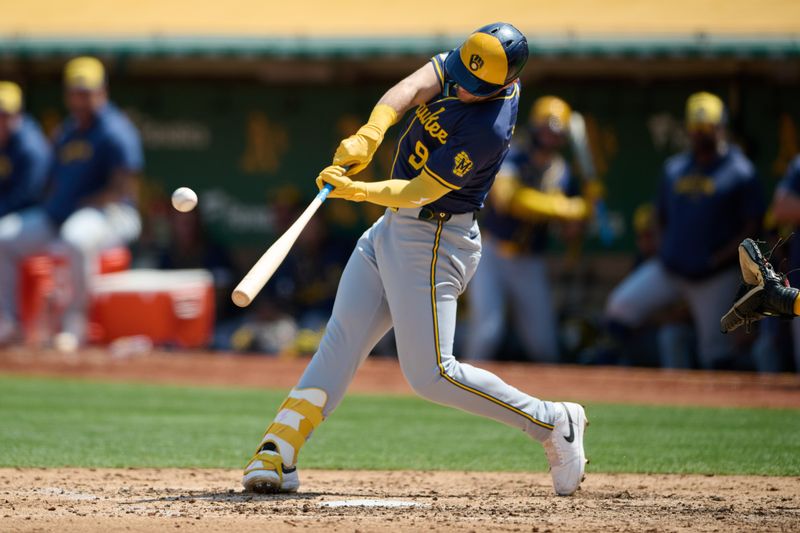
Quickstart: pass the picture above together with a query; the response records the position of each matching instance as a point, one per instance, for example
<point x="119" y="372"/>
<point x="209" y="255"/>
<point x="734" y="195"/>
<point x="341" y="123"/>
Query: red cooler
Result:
<point x="172" y="307"/>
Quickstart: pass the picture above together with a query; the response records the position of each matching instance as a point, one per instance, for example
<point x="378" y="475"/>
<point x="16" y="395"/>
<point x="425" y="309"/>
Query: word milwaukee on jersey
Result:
<point x="430" y="121"/>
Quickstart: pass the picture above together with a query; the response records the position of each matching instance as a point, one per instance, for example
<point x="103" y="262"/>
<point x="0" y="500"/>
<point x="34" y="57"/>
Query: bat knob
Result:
<point x="240" y="298"/>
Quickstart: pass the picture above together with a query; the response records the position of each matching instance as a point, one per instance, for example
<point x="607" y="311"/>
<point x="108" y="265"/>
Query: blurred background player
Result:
<point x="709" y="200"/>
<point x="24" y="159"/>
<point x="786" y="210"/>
<point x="24" y="153"/>
<point x="533" y="188"/>
<point x="89" y="205"/>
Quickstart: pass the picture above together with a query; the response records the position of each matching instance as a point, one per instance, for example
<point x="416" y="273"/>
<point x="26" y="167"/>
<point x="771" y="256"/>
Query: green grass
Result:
<point x="78" y="423"/>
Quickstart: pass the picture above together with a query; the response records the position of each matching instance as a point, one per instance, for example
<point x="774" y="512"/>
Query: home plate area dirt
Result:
<point x="212" y="500"/>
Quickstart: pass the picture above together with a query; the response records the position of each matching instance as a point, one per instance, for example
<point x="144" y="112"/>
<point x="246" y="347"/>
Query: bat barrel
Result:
<point x="247" y="289"/>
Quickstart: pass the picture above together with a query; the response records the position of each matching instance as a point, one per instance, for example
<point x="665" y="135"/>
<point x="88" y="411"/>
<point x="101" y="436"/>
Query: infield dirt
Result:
<point x="211" y="500"/>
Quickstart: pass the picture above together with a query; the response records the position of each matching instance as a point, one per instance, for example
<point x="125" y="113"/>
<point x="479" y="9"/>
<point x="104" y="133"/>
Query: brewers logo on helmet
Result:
<point x="489" y="59"/>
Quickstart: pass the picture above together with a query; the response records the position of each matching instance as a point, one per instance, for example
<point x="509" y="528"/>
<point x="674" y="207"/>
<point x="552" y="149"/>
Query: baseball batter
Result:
<point x="409" y="268"/>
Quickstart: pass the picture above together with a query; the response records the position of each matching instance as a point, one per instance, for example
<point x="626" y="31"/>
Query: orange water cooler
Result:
<point x="171" y="307"/>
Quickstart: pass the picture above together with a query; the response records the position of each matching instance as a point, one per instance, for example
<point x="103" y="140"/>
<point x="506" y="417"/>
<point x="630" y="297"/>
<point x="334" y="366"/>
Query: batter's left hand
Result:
<point x="343" y="187"/>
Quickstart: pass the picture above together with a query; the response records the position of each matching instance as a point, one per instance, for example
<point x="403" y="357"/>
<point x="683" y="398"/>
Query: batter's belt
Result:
<point x="431" y="215"/>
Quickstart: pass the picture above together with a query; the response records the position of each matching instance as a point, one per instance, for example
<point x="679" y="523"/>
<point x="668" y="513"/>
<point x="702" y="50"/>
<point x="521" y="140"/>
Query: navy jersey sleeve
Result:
<point x="125" y="151"/>
<point x="791" y="181"/>
<point x="438" y="66"/>
<point x="457" y="162"/>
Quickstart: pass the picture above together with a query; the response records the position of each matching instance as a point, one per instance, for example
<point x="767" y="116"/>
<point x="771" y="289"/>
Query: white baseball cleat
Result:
<point x="266" y="474"/>
<point x="564" y="448"/>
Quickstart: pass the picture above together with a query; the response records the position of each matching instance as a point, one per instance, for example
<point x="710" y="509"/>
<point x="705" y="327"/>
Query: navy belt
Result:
<point x="426" y="213"/>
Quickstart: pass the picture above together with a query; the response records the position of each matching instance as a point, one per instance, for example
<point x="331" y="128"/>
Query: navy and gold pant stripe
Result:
<point x="442" y="371"/>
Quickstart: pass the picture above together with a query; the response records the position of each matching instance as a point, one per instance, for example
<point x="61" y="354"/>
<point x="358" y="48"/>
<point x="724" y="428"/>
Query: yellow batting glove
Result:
<point x="343" y="187"/>
<point x="357" y="151"/>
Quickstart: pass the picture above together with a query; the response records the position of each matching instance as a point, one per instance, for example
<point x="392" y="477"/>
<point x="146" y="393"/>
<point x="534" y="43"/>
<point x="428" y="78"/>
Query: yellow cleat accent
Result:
<point x="265" y="474"/>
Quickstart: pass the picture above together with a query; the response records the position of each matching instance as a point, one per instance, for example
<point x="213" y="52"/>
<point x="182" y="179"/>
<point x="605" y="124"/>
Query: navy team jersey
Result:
<point x="85" y="160"/>
<point x="791" y="183"/>
<point x="461" y="145"/>
<point x="702" y="210"/>
<point x="24" y="161"/>
<point x="525" y="236"/>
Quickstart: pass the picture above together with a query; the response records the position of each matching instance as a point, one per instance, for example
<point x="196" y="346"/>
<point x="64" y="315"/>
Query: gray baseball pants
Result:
<point x="408" y="273"/>
<point x="651" y="287"/>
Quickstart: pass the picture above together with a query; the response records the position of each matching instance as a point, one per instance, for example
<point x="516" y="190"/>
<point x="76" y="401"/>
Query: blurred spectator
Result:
<point x="673" y="325"/>
<point x="709" y="200"/>
<point x="90" y="204"/>
<point x="533" y="188"/>
<point x="24" y="153"/>
<point x="24" y="158"/>
<point x="786" y="210"/>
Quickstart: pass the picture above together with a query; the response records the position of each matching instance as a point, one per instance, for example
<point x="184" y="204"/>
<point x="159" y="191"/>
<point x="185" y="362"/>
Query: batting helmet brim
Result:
<point x="459" y="73"/>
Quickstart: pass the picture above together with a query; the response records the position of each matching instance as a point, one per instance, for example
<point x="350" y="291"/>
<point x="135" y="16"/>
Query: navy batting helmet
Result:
<point x="489" y="59"/>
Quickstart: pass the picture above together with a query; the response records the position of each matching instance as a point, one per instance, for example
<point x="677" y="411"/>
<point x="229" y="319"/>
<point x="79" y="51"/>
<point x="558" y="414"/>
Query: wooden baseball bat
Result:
<point x="265" y="267"/>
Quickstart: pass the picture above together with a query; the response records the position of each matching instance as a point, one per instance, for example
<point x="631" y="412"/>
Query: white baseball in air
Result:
<point x="184" y="199"/>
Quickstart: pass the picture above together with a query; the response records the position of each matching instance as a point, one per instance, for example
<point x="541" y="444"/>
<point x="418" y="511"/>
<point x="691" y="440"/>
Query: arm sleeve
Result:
<point x="416" y="192"/>
<point x="30" y="176"/>
<point x="531" y="204"/>
<point x="438" y="66"/>
<point x="561" y="201"/>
